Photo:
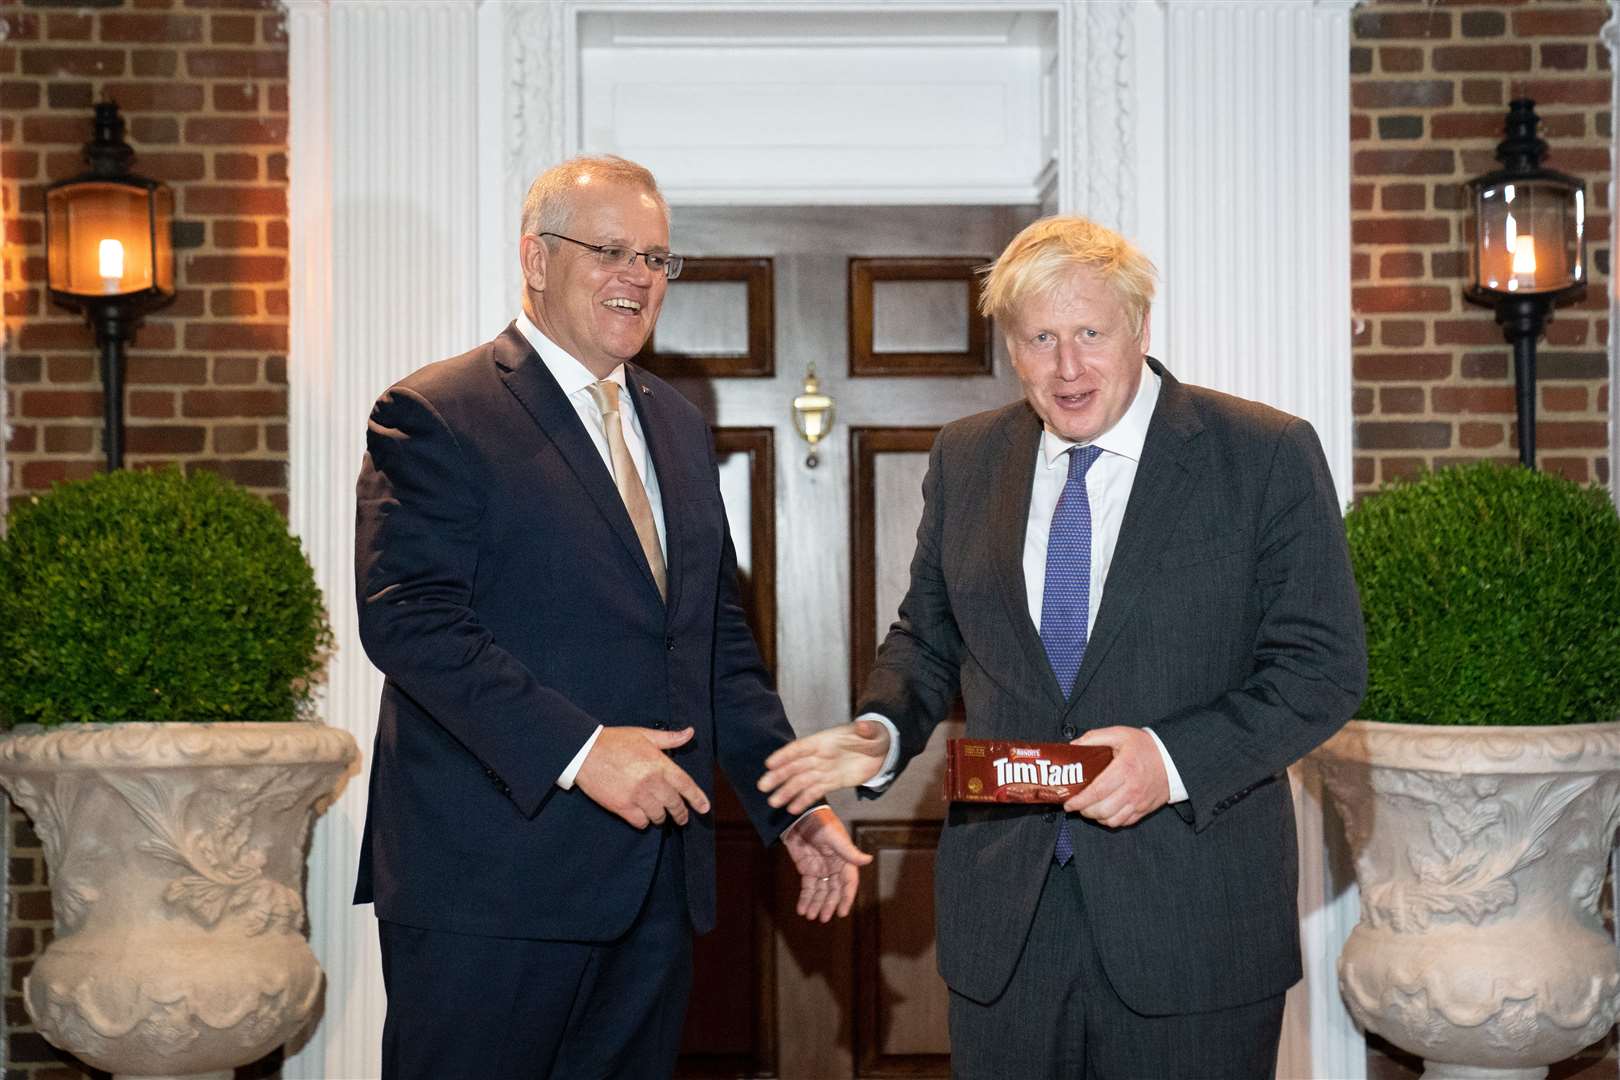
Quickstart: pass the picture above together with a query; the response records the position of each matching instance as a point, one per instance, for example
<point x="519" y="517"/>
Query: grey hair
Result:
<point x="549" y="205"/>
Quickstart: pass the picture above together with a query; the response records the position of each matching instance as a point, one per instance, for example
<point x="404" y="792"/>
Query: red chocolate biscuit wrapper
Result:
<point x="999" y="771"/>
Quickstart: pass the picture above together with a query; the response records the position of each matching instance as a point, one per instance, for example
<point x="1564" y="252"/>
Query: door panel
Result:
<point x="900" y="1001"/>
<point x="856" y="997"/>
<point x="731" y="1021"/>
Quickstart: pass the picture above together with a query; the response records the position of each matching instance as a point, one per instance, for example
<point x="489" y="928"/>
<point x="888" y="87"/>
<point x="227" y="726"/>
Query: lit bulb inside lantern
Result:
<point x="1524" y="256"/>
<point x="112" y="265"/>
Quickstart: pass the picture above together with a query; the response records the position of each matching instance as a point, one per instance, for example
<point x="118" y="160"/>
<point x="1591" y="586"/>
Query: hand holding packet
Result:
<point x="1004" y="771"/>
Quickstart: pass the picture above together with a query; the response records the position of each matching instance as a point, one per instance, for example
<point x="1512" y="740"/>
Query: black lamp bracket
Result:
<point x="107" y="154"/>
<point x="1522" y="150"/>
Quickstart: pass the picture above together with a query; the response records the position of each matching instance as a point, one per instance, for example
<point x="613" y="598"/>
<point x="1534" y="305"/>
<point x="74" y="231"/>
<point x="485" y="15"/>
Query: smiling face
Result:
<point x="1078" y="356"/>
<point x="601" y="315"/>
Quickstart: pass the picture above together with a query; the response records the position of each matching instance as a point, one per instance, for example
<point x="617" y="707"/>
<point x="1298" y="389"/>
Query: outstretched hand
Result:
<point x="628" y="773"/>
<point x="800" y="774"/>
<point x="828" y="862"/>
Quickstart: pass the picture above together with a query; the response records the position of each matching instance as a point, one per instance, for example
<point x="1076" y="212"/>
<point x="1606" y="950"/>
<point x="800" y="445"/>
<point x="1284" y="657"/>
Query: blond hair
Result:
<point x="1047" y="251"/>
<point x="549" y="205"/>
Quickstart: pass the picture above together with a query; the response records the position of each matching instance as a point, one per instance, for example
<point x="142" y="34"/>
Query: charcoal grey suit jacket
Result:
<point x="1229" y="622"/>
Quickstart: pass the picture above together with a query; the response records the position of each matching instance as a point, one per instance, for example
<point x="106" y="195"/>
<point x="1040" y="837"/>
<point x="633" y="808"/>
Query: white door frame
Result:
<point x="1211" y="130"/>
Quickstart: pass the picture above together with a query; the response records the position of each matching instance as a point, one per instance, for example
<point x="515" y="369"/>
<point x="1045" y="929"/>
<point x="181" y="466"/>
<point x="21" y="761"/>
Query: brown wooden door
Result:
<point x="825" y="552"/>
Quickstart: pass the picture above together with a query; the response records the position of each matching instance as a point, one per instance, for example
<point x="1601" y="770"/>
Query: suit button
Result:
<point x="669" y="644"/>
<point x="1069" y="731"/>
<point x="659" y="725"/>
<point x="1050" y="815"/>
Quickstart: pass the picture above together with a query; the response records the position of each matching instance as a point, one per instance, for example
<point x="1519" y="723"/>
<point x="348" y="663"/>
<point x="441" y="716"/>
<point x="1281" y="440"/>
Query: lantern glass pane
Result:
<point x="162" y="235"/>
<point x="1526" y="236"/>
<point x="100" y="239"/>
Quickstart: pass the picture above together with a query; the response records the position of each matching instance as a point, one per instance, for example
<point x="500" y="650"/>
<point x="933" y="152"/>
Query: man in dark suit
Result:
<point x="1127" y="561"/>
<point x="546" y="579"/>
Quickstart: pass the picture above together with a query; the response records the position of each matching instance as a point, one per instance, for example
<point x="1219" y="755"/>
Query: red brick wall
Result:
<point x="1430" y="83"/>
<point x="202" y="85"/>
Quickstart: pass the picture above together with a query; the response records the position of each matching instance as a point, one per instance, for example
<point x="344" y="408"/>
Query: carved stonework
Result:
<point x="176" y="858"/>
<point x="534" y="137"/>
<point x="1101" y="170"/>
<point x="1480" y="853"/>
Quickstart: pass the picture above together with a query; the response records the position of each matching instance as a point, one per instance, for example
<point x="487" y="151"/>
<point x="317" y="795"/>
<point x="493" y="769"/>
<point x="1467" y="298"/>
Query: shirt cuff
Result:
<point x="886" y="774"/>
<point x="1178" y="790"/>
<point x="801" y="817"/>
<point x="566" y="780"/>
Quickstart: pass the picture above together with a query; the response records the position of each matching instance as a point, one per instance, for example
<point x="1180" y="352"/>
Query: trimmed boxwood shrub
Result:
<point x="155" y="596"/>
<point x="1492" y="596"/>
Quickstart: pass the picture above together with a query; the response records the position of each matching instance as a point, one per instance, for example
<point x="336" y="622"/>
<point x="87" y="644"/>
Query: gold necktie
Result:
<point x="606" y="394"/>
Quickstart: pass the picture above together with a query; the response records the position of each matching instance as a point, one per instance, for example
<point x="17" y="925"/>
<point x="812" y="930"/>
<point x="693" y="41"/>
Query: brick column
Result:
<point x="203" y="86"/>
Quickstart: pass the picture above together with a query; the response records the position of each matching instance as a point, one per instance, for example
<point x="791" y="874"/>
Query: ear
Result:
<point x="533" y="256"/>
<point x="1147" y="331"/>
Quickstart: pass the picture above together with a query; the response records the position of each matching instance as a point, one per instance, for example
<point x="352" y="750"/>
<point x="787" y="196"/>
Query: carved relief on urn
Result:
<point x="1480" y="854"/>
<point x="176" y="855"/>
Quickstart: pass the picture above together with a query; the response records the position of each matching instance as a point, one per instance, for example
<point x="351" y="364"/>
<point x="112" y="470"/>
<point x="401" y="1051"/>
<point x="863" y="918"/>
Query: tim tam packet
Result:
<point x="996" y="771"/>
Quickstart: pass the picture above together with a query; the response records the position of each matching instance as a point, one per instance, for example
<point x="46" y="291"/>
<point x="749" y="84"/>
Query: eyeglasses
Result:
<point x="615" y="257"/>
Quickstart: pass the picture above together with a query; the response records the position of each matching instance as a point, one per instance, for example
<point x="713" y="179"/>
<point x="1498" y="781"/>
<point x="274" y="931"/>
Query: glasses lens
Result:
<point x="614" y="256"/>
<point x="672" y="266"/>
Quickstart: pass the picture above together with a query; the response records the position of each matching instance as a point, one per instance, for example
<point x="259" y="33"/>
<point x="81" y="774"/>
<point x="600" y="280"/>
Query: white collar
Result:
<point x="570" y="374"/>
<point x="1125" y="438"/>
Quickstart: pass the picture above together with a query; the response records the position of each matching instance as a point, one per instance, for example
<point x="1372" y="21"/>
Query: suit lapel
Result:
<point x="1011" y="486"/>
<point x="659" y="432"/>
<point x="527" y="378"/>
<point x="1164" y="482"/>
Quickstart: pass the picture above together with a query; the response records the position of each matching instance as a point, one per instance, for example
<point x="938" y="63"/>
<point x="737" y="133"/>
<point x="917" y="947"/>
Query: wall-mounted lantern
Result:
<point x="1526" y="236"/>
<point x="109" y="253"/>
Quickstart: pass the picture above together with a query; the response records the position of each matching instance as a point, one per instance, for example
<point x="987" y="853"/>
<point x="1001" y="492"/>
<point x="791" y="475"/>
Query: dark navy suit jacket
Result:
<point x="505" y="597"/>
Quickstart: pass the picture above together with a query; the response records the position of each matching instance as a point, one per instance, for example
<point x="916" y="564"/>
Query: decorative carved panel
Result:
<point x="752" y="322"/>
<point x="867" y="323"/>
<point x="901" y="1002"/>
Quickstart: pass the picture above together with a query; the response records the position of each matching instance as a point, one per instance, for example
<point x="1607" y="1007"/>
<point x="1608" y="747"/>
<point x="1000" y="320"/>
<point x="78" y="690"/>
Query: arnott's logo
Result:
<point x="1040" y="771"/>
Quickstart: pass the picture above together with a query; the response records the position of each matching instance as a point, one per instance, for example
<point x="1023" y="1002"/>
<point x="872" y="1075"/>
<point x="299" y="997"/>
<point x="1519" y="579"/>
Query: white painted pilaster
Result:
<point x="385" y="261"/>
<point x="1256" y="302"/>
<point x="1258" y="260"/>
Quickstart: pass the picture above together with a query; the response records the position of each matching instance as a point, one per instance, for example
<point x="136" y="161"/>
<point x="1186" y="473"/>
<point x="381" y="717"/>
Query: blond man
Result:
<point x="1124" y="560"/>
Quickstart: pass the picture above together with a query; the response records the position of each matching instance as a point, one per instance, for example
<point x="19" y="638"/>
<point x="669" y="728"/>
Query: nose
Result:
<point x="1069" y="363"/>
<point x="637" y="271"/>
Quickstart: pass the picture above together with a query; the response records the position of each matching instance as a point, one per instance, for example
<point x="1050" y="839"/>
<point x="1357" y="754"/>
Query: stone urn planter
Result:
<point x="1480" y="853"/>
<point x="176" y="856"/>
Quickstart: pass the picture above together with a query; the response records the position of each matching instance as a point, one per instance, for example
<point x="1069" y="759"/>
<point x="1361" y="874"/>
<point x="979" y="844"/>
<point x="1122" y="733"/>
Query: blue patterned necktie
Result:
<point x="1066" y="601"/>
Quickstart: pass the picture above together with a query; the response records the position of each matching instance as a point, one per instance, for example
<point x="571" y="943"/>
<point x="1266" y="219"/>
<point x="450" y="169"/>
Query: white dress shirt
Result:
<point x="1108" y="489"/>
<point x="575" y="380"/>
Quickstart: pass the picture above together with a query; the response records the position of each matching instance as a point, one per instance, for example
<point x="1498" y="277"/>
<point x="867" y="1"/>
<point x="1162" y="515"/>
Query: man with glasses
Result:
<point x="546" y="579"/>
